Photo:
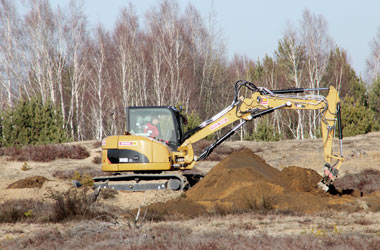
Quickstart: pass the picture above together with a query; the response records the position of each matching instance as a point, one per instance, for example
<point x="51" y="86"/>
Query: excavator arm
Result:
<point x="261" y="102"/>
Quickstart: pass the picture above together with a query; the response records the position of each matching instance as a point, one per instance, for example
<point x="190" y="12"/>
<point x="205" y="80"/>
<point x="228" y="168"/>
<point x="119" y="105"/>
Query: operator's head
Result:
<point x="155" y="120"/>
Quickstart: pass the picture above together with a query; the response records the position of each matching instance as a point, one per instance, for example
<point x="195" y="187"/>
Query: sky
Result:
<point x="254" y="27"/>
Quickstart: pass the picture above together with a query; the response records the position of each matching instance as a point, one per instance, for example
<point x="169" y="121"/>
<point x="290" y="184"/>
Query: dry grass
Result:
<point x="103" y="235"/>
<point x="108" y="194"/>
<point x="76" y="204"/>
<point x="44" y="153"/>
<point x="13" y="211"/>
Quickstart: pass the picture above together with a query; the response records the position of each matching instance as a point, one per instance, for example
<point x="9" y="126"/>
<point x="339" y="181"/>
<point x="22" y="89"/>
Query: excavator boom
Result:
<point x="263" y="101"/>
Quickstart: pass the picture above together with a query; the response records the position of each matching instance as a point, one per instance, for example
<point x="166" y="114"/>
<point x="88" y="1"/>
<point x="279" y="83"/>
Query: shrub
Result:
<point x="366" y="181"/>
<point x="264" y="132"/>
<point x="374" y="97"/>
<point x="81" y="171"/>
<point x="25" y="210"/>
<point x="357" y="118"/>
<point x="97" y="160"/>
<point x="76" y="204"/>
<point x="45" y="153"/>
<point x="193" y="120"/>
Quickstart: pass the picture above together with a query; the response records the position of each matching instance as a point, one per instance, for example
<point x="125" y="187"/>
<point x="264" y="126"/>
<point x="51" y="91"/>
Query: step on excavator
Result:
<point x="147" y="158"/>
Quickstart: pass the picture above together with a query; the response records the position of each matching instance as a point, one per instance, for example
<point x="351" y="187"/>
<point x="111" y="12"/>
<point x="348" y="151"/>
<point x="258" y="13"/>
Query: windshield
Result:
<point x="152" y="122"/>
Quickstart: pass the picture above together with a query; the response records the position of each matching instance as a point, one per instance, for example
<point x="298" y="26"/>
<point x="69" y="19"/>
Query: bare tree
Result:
<point x="339" y="72"/>
<point x="373" y="62"/>
<point x="99" y="81"/>
<point x="291" y="56"/>
<point x="130" y="69"/>
<point x="40" y="28"/>
<point x="11" y="49"/>
<point x="76" y="39"/>
<point x="215" y="74"/>
<point x="318" y="44"/>
<point x="169" y="54"/>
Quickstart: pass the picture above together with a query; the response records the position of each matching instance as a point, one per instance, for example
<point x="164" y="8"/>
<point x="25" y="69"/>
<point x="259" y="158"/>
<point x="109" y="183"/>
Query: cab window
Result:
<point x="143" y="120"/>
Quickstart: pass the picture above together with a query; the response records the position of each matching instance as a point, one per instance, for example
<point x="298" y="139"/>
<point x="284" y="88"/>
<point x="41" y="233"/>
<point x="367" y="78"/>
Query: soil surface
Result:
<point x="243" y="181"/>
<point x="29" y="182"/>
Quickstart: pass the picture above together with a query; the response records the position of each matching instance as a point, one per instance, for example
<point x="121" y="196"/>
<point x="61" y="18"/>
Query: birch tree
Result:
<point x="130" y="68"/>
<point x="98" y="82"/>
<point x="168" y="48"/>
<point x="11" y="49"/>
<point x="318" y="44"/>
<point x="40" y="28"/>
<point x="291" y="56"/>
<point x="76" y="39"/>
<point x="373" y="61"/>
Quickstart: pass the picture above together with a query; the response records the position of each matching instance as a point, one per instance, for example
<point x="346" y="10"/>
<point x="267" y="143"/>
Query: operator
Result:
<point x="152" y="127"/>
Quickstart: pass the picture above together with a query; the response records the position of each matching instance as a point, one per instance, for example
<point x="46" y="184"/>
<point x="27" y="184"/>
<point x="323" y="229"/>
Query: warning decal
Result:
<point x="219" y="123"/>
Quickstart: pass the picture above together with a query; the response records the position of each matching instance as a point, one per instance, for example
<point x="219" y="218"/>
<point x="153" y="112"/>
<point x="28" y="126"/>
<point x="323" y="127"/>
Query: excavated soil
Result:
<point x="243" y="181"/>
<point x="29" y="182"/>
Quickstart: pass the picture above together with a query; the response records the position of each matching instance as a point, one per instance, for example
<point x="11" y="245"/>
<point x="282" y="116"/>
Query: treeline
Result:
<point x="176" y="58"/>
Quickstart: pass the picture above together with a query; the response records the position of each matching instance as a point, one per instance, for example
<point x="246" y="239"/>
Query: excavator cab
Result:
<point x="166" y="120"/>
<point x="139" y="149"/>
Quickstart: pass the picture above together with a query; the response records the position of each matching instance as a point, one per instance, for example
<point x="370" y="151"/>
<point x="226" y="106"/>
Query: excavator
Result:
<point x="140" y="161"/>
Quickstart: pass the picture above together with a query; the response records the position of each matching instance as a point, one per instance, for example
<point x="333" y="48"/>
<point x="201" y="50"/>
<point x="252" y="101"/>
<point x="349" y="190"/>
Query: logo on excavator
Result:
<point x="127" y="143"/>
<point x="219" y="123"/>
<point x="264" y="101"/>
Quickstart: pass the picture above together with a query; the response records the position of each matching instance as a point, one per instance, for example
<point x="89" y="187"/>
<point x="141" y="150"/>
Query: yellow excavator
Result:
<point x="157" y="159"/>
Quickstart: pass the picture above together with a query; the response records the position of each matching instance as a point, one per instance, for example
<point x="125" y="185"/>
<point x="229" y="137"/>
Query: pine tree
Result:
<point x="374" y="97"/>
<point x="32" y="122"/>
<point x="357" y="118"/>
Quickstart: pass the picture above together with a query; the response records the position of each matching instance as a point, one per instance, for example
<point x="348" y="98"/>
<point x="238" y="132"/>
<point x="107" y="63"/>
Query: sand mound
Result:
<point x="30" y="182"/>
<point x="243" y="182"/>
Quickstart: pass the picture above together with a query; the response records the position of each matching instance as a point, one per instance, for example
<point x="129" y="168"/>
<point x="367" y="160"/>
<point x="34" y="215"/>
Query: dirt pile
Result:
<point x="30" y="182"/>
<point x="243" y="182"/>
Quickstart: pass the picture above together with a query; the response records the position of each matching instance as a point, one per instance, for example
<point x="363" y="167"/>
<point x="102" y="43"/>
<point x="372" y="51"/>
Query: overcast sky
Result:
<point x="254" y="27"/>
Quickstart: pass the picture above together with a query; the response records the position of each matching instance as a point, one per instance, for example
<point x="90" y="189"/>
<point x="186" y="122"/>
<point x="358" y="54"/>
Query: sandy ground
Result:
<point x="360" y="152"/>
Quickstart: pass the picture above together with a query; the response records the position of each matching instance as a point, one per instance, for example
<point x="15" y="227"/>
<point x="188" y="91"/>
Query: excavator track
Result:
<point x="144" y="182"/>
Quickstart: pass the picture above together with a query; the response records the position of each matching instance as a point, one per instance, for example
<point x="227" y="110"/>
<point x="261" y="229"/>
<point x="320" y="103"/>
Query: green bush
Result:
<point x="374" y="97"/>
<point x="357" y="118"/>
<point x="264" y="132"/>
<point x="32" y="122"/>
<point x="193" y="120"/>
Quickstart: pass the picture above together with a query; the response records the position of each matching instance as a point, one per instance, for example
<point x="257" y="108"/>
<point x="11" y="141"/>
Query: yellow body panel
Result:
<point x="160" y="166"/>
<point x="156" y="154"/>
